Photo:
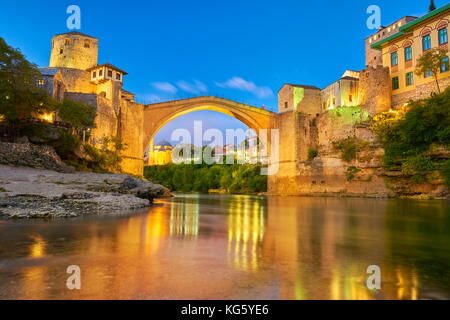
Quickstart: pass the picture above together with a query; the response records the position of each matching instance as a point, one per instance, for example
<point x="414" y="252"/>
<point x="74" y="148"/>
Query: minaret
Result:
<point x="74" y="50"/>
<point x="432" y="6"/>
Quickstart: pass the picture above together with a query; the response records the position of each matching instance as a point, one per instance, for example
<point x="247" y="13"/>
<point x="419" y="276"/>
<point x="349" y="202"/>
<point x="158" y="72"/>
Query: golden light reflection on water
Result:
<point x="246" y="227"/>
<point x="293" y="248"/>
<point x="184" y="219"/>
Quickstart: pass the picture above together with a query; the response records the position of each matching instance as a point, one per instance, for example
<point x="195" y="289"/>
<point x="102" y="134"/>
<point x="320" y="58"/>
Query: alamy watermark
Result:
<point x="74" y="20"/>
<point x="74" y="280"/>
<point x="262" y="147"/>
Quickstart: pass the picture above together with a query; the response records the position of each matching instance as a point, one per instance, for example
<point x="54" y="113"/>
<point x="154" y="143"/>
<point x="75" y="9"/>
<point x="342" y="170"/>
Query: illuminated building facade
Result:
<point x="400" y="50"/>
<point x="161" y="154"/>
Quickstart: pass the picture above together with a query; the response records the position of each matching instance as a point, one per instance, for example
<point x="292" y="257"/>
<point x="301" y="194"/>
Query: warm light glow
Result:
<point x="47" y="117"/>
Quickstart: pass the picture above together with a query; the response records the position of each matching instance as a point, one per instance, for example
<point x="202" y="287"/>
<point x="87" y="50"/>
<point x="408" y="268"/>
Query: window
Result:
<point x="87" y="44"/>
<point x="395" y="83"/>
<point x="443" y="36"/>
<point x="428" y="74"/>
<point x="426" y="43"/>
<point x="350" y="98"/>
<point x="100" y="73"/>
<point x="67" y="42"/>
<point x="408" y="54"/>
<point x="41" y="82"/>
<point x="110" y="73"/>
<point x="61" y="51"/>
<point x="286" y="105"/>
<point x="94" y="74"/>
<point x="334" y="102"/>
<point x="394" y="59"/>
<point x="409" y="79"/>
<point x="445" y="65"/>
<point x="118" y="76"/>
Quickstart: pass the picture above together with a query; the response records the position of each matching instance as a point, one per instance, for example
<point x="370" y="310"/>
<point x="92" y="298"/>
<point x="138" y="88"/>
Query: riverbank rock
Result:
<point x="36" y="193"/>
<point x="30" y="155"/>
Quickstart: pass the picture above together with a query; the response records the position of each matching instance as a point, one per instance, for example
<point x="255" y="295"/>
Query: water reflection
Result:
<point x="235" y="247"/>
<point x="246" y="228"/>
<point x="184" y="218"/>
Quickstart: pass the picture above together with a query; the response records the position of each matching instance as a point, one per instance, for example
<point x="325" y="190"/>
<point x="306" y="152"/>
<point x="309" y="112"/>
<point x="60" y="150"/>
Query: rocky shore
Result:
<point x="39" y="193"/>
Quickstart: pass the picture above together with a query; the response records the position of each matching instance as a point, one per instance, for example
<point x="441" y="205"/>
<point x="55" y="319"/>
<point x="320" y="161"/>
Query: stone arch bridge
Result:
<point x="158" y="115"/>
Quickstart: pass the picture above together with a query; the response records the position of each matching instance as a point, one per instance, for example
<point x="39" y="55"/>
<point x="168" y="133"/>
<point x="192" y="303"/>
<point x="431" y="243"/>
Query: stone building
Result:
<point x="399" y="52"/>
<point x="161" y="154"/>
<point x="74" y="73"/>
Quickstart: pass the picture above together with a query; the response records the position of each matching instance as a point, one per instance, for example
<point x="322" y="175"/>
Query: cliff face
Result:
<point x="349" y="159"/>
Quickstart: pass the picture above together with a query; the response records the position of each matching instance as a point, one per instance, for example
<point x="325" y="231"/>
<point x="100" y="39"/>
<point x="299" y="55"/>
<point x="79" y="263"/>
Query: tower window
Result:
<point x="67" y="42"/>
<point x="87" y="44"/>
<point x="100" y="72"/>
<point x="110" y="73"/>
<point x="286" y="105"/>
<point x="350" y="98"/>
<point x="118" y="76"/>
<point x="61" y="51"/>
<point x="94" y="74"/>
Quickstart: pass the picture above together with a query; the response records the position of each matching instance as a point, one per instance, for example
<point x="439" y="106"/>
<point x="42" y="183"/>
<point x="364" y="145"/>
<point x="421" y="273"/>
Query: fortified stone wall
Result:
<point x="421" y="92"/>
<point x="328" y="173"/>
<point x="105" y="122"/>
<point x="375" y="89"/>
<point x="132" y="135"/>
<point x="77" y="80"/>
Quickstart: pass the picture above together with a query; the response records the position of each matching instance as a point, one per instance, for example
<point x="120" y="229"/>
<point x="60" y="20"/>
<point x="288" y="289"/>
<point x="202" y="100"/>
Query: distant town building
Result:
<point x="161" y="154"/>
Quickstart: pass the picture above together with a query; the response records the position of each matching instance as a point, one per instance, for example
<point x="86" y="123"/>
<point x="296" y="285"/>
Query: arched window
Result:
<point x="87" y="43"/>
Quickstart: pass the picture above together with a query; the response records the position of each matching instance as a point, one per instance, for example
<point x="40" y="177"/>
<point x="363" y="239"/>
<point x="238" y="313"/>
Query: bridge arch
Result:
<point x="158" y="115"/>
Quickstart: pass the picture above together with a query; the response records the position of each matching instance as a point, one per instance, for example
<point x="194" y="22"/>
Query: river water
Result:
<point x="235" y="247"/>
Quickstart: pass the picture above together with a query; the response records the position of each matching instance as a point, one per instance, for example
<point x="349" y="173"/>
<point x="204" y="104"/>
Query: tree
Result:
<point x="20" y="97"/>
<point x="431" y="61"/>
<point x="77" y="114"/>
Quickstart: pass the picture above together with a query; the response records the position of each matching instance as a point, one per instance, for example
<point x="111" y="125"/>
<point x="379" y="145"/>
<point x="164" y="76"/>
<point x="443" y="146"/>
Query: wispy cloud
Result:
<point x="245" y="85"/>
<point x="196" y="87"/>
<point x="165" y="87"/>
<point x="152" y="98"/>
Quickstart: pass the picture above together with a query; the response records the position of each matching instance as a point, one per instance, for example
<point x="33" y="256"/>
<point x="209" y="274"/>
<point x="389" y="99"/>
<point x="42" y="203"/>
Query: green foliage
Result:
<point x="425" y="124"/>
<point x="431" y="60"/>
<point x="60" y="139"/>
<point x="350" y="147"/>
<point x="409" y="138"/>
<point x="77" y="114"/>
<point x="20" y="97"/>
<point x="312" y="154"/>
<point x="108" y="157"/>
<point x="351" y="172"/>
<point x="417" y="167"/>
<point x="202" y="178"/>
<point x="445" y="171"/>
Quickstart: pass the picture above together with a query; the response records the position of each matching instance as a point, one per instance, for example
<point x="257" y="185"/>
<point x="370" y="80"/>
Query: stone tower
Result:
<point x="375" y="89"/>
<point x="74" y="50"/>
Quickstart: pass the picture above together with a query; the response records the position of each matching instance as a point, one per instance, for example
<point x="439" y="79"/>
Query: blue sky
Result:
<point x="238" y="49"/>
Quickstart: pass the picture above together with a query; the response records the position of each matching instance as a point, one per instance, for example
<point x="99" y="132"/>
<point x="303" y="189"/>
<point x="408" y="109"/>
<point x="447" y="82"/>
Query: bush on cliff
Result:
<point x="350" y="147"/>
<point x="409" y="138"/>
<point x="77" y="114"/>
